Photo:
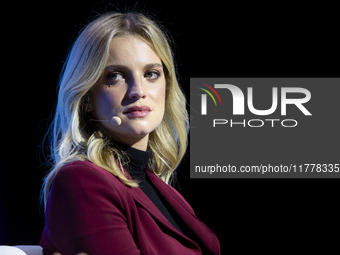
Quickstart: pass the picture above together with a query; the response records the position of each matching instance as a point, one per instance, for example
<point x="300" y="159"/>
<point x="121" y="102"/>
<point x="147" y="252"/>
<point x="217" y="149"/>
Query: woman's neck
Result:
<point x="139" y="144"/>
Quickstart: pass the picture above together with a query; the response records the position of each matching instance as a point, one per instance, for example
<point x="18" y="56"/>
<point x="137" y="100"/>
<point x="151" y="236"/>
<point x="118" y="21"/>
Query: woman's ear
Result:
<point x="88" y="104"/>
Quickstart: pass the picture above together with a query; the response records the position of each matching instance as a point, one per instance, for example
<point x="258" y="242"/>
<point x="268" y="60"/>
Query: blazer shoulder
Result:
<point x="87" y="206"/>
<point x="82" y="168"/>
<point x="81" y="179"/>
<point x="80" y="165"/>
<point x="78" y="172"/>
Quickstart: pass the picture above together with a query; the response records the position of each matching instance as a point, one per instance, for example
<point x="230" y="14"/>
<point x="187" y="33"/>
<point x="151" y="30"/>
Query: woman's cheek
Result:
<point x="106" y="103"/>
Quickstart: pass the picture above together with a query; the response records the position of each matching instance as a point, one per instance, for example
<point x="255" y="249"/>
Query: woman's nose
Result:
<point x="136" y="89"/>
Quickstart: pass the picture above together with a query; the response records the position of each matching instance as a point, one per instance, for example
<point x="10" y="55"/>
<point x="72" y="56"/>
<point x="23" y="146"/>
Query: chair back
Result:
<point x="31" y="249"/>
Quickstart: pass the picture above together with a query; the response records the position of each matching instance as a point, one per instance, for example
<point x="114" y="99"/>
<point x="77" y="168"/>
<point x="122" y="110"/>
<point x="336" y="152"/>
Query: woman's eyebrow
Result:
<point x="116" y="67"/>
<point x="125" y="68"/>
<point x="154" y="65"/>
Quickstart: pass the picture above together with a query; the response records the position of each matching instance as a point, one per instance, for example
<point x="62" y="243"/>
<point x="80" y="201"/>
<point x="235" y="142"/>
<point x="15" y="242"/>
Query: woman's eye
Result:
<point x="114" y="77"/>
<point x="152" y="75"/>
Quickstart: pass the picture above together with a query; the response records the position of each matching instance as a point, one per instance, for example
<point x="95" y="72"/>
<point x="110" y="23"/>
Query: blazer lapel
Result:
<point x="144" y="201"/>
<point x="202" y="231"/>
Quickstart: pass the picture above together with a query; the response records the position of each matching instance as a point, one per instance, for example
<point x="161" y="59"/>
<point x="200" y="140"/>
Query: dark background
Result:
<point x="213" y="39"/>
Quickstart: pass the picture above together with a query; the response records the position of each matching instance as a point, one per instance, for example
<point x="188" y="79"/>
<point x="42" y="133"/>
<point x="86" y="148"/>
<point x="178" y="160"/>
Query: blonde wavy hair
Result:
<point x="73" y="137"/>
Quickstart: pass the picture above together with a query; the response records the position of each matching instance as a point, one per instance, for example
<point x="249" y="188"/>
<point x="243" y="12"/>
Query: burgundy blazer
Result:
<point x="90" y="210"/>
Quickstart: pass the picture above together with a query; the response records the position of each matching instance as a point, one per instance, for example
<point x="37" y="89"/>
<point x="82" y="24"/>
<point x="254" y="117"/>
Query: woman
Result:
<point x="119" y="132"/>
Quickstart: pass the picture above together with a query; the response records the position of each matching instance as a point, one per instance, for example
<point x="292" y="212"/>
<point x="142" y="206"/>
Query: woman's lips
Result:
<point x="138" y="111"/>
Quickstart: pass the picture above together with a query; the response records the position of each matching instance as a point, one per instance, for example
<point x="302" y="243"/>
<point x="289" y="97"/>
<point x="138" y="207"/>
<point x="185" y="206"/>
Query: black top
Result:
<point x="136" y="168"/>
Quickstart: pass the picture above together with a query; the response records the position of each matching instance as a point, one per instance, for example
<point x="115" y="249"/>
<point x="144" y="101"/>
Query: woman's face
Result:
<point x="132" y="88"/>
